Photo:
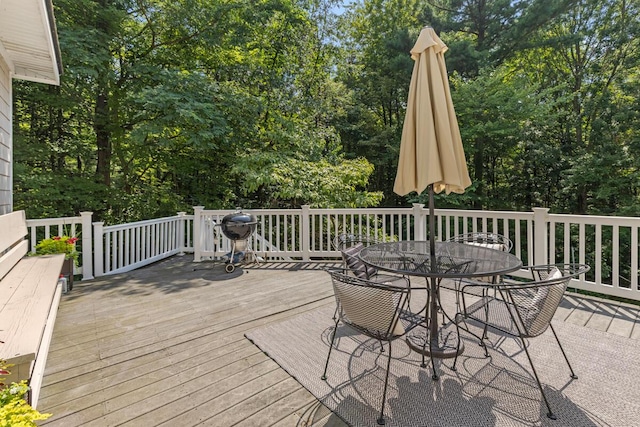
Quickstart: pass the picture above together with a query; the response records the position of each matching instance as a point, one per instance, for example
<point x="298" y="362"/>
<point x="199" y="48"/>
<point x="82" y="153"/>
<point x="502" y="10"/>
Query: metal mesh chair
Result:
<point x="347" y="240"/>
<point x="490" y="240"/>
<point x="350" y="246"/>
<point x="376" y="310"/>
<point x="521" y="309"/>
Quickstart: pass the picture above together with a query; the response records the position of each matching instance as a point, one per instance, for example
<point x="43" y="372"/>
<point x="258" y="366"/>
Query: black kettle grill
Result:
<point x="237" y="227"/>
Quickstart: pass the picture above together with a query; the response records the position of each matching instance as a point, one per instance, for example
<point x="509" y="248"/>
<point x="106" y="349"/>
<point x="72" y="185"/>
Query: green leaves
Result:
<point x="294" y="182"/>
<point x="276" y="103"/>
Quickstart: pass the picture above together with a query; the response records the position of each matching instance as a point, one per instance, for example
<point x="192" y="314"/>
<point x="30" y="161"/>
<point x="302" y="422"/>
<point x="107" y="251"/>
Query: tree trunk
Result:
<point x="103" y="140"/>
<point x="478" y="167"/>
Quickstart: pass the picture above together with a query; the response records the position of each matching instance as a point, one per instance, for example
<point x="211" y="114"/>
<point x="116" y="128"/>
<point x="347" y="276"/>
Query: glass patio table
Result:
<point x="452" y="260"/>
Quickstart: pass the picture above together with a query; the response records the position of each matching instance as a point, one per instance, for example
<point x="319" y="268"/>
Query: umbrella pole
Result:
<point x="433" y="303"/>
<point x="432" y="228"/>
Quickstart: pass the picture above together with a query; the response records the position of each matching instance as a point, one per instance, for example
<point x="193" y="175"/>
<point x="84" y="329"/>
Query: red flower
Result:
<point x="56" y="238"/>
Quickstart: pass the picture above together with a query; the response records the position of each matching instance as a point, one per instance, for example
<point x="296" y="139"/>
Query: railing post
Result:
<point x="419" y="232"/>
<point x="181" y="233"/>
<point x="98" y="249"/>
<point x="540" y="236"/>
<point x="197" y="233"/>
<point x="305" y="231"/>
<point x="87" y="246"/>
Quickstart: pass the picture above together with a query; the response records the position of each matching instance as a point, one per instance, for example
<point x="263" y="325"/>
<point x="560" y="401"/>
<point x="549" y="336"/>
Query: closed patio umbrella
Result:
<point x="431" y="152"/>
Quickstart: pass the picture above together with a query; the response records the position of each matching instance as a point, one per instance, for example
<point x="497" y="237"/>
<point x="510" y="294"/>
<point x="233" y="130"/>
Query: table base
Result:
<point x="444" y="347"/>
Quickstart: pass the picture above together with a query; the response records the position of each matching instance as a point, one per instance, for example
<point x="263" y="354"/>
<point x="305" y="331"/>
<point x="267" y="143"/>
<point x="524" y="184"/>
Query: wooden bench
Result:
<point x="29" y="298"/>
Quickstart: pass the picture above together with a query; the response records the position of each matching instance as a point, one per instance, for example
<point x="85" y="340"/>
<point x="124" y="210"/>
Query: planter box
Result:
<point x="67" y="271"/>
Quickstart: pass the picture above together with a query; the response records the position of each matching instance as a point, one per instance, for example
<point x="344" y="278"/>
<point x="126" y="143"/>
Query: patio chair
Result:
<point x="350" y="246"/>
<point x="521" y="309"/>
<point x="488" y="240"/>
<point x="376" y="310"/>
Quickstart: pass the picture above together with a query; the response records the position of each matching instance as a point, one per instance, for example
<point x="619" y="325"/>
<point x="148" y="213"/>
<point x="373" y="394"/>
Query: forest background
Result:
<point x="168" y="104"/>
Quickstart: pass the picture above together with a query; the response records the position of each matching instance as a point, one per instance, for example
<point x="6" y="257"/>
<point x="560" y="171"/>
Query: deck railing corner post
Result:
<point x="181" y="231"/>
<point x="418" y="222"/>
<point x="98" y="249"/>
<point x="541" y="236"/>
<point x="87" y="245"/>
<point x="305" y="231"/>
<point x="197" y="233"/>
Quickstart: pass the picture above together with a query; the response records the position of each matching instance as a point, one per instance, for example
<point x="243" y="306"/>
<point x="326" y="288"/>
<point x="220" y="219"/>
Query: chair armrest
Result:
<point x="392" y="279"/>
<point x="479" y="290"/>
<point x="342" y="270"/>
<point x="473" y="287"/>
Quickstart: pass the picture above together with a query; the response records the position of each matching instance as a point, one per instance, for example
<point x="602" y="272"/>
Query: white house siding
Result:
<point x="6" y="140"/>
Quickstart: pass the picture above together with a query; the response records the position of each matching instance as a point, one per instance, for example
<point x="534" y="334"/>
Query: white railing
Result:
<point x="608" y="244"/>
<point x="309" y="233"/>
<point x="76" y="226"/>
<point x="125" y="247"/>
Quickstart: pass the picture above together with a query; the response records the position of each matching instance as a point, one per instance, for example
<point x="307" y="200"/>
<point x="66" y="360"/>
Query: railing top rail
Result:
<point x="367" y="210"/>
<point x="592" y="219"/>
<point x="486" y="214"/>
<point x="258" y="211"/>
<point x="145" y="222"/>
<point x="54" y="221"/>
<point x="408" y="209"/>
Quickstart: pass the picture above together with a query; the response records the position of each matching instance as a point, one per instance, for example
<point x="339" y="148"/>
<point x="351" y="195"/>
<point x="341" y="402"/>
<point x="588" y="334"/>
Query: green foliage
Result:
<point x="14" y="410"/>
<point x="164" y="105"/>
<point x="320" y="184"/>
<point x="58" y="245"/>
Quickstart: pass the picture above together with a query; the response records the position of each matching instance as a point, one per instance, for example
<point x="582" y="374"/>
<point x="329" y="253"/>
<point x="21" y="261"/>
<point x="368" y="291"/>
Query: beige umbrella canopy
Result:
<point x="431" y="153"/>
<point x="431" y="149"/>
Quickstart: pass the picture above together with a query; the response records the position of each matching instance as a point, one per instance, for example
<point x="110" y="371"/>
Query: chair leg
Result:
<point x="455" y="359"/>
<point x="461" y="319"/>
<point x="484" y="331"/>
<point x="573" y="374"/>
<point x="550" y="414"/>
<point x="333" y="338"/>
<point x="482" y="343"/>
<point x="381" y="420"/>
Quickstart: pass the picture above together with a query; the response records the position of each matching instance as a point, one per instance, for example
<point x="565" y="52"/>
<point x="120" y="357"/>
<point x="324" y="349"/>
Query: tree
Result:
<point x="165" y="104"/>
<point x="378" y="36"/>
<point x="594" y="55"/>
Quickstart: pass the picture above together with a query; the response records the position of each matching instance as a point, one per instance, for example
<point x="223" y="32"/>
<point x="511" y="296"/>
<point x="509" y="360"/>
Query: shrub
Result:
<point x="59" y="245"/>
<point x="14" y="409"/>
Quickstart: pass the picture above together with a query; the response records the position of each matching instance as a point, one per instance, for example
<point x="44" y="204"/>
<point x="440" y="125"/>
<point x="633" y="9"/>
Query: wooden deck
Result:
<point x="165" y="345"/>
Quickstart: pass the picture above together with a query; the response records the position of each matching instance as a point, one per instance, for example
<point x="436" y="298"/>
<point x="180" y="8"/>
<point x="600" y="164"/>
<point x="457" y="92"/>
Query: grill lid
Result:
<point x="238" y="225"/>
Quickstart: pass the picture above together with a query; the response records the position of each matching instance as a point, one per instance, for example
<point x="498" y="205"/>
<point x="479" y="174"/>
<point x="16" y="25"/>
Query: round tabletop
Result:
<point x="452" y="259"/>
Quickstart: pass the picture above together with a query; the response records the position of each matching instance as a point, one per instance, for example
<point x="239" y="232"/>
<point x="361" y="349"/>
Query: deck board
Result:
<point x="165" y="345"/>
<point x="623" y="321"/>
<point x="602" y="317"/>
<point x="582" y="312"/>
<point x="635" y="332"/>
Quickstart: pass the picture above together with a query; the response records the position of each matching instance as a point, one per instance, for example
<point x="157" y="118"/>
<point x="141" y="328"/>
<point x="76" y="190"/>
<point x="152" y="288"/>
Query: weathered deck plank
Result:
<point x="582" y="312"/>
<point x="294" y="403"/>
<point x="602" y="317"/>
<point x="147" y="350"/>
<point x="623" y="320"/>
<point x="165" y="345"/>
